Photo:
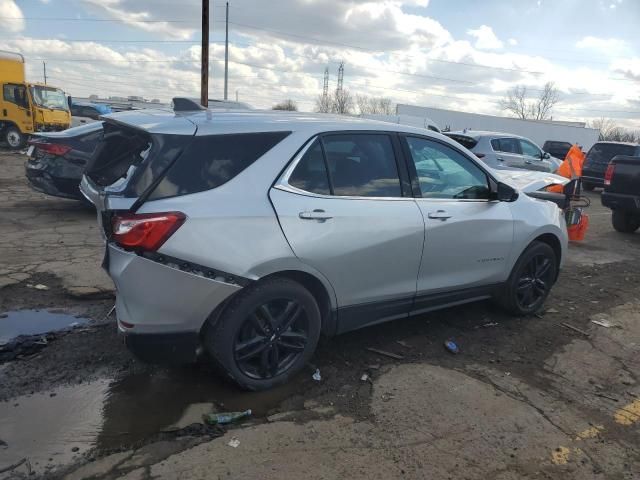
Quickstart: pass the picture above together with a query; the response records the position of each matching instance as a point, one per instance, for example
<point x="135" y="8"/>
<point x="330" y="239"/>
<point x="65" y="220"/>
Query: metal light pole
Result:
<point x="44" y="69"/>
<point x="204" y="76"/>
<point x="226" y="54"/>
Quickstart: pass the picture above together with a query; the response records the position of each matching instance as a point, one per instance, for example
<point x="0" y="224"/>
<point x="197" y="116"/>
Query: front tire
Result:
<point x="625" y="222"/>
<point x="266" y="334"/>
<point x="530" y="281"/>
<point x="15" y="138"/>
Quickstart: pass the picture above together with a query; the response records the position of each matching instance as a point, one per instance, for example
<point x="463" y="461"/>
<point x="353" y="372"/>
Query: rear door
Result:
<point x="508" y="152"/>
<point x="346" y="212"/>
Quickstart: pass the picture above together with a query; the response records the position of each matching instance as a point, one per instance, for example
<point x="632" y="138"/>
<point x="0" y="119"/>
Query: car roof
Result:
<point x="483" y="133"/>
<point x="211" y="122"/>
<point x="629" y="144"/>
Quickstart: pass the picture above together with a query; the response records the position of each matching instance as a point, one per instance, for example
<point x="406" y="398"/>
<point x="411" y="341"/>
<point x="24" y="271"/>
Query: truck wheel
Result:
<point x="625" y="222"/>
<point x="14" y="138"/>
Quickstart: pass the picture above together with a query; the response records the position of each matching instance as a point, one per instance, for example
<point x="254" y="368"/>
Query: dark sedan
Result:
<point x="57" y="159"/>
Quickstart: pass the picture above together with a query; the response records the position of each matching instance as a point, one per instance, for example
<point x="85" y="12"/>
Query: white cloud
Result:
<point x="14" y="18"/>
<point x="607" y="46"/>
<point x="485" y="38"/>
<point x="513" y="41"/>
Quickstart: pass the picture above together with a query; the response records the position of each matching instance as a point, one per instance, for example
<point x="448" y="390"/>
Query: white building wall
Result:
<point x="537" y="131"/>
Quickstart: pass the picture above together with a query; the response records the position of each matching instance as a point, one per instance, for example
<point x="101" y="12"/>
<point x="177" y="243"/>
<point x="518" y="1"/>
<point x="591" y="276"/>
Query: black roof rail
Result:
<point x="184" y="104"/>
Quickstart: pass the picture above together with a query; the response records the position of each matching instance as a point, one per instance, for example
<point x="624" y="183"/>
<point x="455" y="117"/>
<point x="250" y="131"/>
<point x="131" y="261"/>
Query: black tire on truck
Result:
<point x="14" y="138"/>
<point x="625" y="222"/>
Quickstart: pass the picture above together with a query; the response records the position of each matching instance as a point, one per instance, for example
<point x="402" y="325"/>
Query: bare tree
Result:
<point x="374" y="105"/>
<point x="612" y="132"/>
<point x="342" y="102"/>
<point x="540" y="108"/>
<point x="323" y="104"/>
<point x="288" y="105"/>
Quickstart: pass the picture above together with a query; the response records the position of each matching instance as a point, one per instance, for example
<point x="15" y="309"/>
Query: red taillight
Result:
<point x="52" y="148"/>
<point x="147" y="231"/>
<point x="480" y="155"/>
<point x="608" y="175"/>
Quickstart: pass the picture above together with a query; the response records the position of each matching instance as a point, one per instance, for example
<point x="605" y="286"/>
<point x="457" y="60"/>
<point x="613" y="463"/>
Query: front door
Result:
<point x="344" y="211"/>
<point x="468" y="237"/>
<point x="15" y="106"/>
<point x="533" y="157"/>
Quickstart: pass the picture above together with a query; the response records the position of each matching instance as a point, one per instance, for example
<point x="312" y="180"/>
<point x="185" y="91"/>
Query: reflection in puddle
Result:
<point x="45" y="429"/>
<point x="142" y="405"/>
<point x="108" y="415"/>
<point x="34" y="322"/>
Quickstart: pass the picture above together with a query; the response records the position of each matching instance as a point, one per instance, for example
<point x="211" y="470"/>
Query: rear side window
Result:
<point x="506" y="145"/>
<point x="212" y="160"/>
<point x="310" y="174"/>
<point x="604" y="152"/>
<point x="362" y="165"/>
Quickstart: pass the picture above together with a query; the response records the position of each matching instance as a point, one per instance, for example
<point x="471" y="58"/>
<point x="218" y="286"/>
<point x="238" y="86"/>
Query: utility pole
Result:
<point x="325" y="87"/>
<point x="204" y="73"/>
<point x="44" y="69"/>
<point x="226" y="54"/>
<point x="236" y="94"/>
<point x="340" y="77"/>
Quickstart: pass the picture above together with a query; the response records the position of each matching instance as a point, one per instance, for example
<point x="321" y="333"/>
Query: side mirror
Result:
<point x="502" y="192"/>
<point x="546" y="156"/>
<point x="69" y="101"/>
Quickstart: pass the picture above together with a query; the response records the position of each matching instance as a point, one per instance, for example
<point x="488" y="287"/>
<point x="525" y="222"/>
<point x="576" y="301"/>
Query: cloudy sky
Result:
<point x="457" y="54"/>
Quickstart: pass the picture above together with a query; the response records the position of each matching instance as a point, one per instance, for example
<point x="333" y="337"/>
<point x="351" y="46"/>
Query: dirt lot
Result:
<point x="553" y="396"/>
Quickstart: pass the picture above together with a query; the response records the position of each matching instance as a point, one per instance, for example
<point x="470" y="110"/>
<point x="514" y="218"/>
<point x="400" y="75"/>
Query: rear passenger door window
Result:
<point x="508" y="145"/>
<point x="362" y="165"/>
<point x="310" y="174"/>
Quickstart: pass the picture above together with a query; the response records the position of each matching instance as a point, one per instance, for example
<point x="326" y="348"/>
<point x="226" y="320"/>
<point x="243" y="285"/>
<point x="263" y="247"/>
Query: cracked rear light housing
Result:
<point x="145" y="232"/>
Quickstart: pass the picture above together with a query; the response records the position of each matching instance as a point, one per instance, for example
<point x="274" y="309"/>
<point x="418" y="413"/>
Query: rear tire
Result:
<point x="266" y="334"/>
<point x="15" y="138"/>
<point x="625" y="222"/>
<point x="530" y="281"/>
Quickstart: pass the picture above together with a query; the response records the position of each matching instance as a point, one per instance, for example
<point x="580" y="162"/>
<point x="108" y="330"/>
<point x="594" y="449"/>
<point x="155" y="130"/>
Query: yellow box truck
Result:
<point x="25" y="107"/>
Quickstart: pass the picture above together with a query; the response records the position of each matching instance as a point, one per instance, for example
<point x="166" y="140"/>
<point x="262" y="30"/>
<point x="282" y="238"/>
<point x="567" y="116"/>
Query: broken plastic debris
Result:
<point x="40" y="286"/>
<point x="603" y="323"/>
<point x="365" y="377"/>
<point x="225" y="417"/>
<point x="234" y="442"/>
<point x="316" y="375"/>
<point x="451" y="346"/>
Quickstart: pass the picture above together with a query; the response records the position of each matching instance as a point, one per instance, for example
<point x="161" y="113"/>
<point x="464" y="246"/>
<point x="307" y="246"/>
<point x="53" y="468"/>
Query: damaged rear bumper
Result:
<point x="161" y="308"/>
<point x="41" y="181"/>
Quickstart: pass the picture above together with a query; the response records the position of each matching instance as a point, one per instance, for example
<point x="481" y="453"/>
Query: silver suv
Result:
<point x="503" y="150"/>
<point x="249" y="234"/>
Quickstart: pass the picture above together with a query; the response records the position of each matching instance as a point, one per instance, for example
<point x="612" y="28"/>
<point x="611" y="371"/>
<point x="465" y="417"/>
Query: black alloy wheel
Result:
<point x="530" y="281"/>
<point x="535" y="282"/>
<point x="266" y="333"/>
<point x="272" y="338"/>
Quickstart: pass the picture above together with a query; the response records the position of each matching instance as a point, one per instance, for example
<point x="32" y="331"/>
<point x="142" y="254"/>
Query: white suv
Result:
<point x="251" y="233"/>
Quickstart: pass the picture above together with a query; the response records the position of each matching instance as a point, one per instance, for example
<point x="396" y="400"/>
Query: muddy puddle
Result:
<point x="34" y="322"/>
<point x="53" y="428"/>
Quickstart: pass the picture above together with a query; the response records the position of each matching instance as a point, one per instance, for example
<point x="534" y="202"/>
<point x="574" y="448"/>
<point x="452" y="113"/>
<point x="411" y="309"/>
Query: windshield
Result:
<point x="49" y="97"/>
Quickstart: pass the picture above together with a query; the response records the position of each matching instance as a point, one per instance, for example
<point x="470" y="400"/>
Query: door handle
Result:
<point x="528" y="162"/>
<point x="4" y="112"/>
<point x="317" y="214"/>
<point x="439" y="215"/>
<point x="500" y="159"/>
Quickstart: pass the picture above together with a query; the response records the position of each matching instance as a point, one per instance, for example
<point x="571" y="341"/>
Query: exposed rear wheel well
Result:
<point x="551" y="240"/>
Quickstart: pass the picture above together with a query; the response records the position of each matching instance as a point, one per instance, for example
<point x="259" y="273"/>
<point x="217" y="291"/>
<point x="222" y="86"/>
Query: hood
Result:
<point x="528" y="180"/>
